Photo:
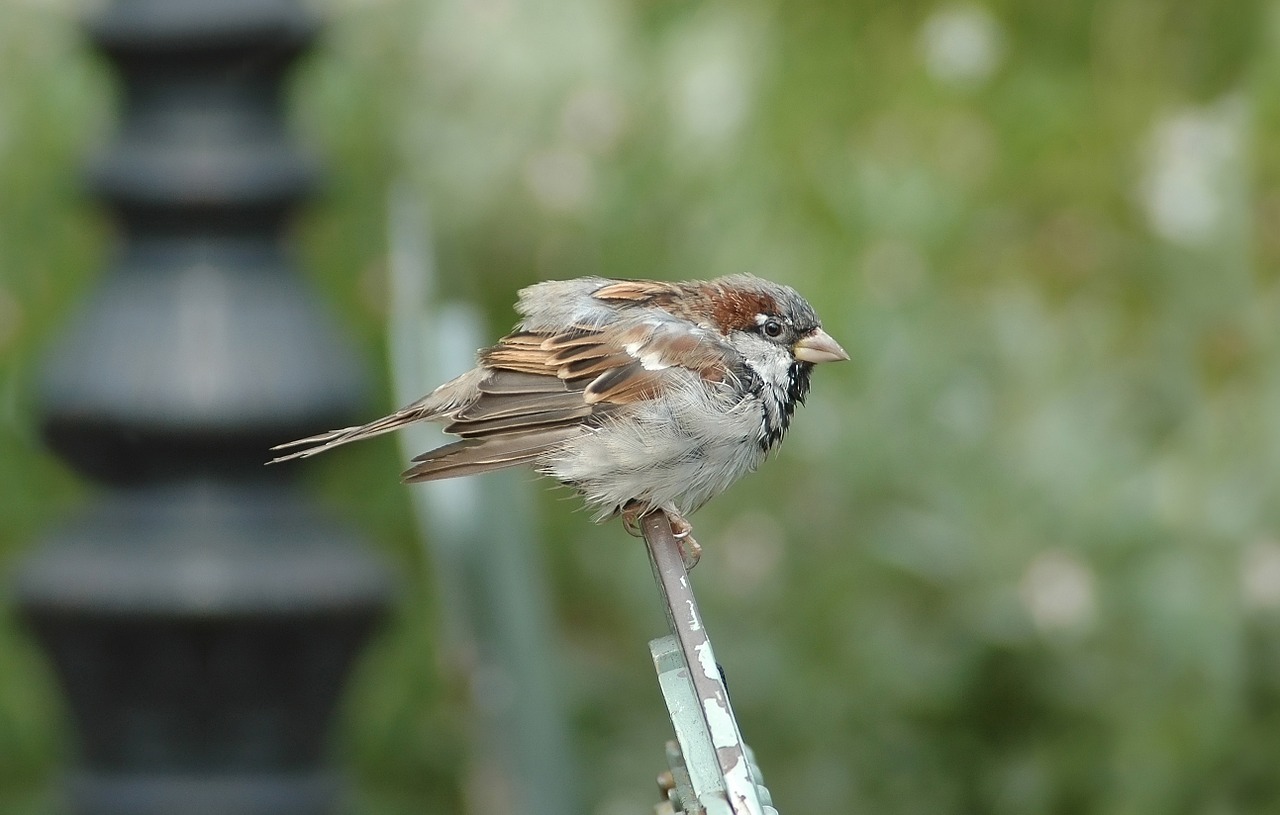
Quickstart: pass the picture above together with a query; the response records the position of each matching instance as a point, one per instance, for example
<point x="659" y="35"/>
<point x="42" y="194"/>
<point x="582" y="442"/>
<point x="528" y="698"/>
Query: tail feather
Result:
<point x="441" y="402"/>
<point x="314" y="445"/>
<point x="482" y="455"/>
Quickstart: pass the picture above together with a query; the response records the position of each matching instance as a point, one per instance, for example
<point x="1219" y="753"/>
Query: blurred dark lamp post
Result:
<point x="200" y="616"/>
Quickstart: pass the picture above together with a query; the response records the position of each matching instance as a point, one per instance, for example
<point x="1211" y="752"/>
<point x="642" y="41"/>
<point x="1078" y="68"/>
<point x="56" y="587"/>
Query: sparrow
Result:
<point x="642" y="395"/>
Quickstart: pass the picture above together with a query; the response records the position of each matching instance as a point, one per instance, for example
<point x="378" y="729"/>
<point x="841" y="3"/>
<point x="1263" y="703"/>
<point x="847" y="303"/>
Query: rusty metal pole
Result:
<point x="200" y="616"/>
<point x="714" y="760"/>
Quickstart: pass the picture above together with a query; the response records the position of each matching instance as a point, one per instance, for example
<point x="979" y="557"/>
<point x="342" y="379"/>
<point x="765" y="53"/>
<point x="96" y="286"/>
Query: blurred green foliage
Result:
<point x="1021" y="555"/>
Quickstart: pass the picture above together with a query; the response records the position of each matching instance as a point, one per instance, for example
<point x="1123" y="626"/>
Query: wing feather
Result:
<point x="524" y="420"/>
<point x="637" y="291"/>
<point x="502" y="382"/>
<point x="514" y="404"/>
<point x="471" y="456"/>
<point x="629" y="383"/>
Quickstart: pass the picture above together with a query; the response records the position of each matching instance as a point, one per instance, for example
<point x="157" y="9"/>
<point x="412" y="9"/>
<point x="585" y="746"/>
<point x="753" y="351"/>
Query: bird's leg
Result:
<point x="681" y="530"/>
<point x="631" y="515"/>
<point x="690" y="549"/>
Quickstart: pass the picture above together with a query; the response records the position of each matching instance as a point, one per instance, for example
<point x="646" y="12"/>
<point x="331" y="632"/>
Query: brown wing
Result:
<point x="533" y="391"/>
<point x="638" y="292"/>
<point x="544" y="389"/>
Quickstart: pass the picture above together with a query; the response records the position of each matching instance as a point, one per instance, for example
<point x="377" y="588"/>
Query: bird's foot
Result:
<point x="690" y="549"/>
<point x="631" y="515"/>
<point x="681" y="530"/>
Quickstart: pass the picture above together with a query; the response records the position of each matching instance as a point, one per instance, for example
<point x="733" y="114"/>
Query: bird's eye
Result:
<point x="772" y="328"/>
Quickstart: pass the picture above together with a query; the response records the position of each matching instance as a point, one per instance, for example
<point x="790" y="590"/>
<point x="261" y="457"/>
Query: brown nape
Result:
<point x="736" y="309"/>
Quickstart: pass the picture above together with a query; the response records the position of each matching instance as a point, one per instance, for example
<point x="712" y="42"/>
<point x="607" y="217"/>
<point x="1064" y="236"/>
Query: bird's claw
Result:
<point x="690" y="549"/>
<point x="631" y="515"/>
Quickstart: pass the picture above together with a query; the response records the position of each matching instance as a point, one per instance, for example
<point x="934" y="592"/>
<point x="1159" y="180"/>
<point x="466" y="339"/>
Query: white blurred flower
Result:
<point x="1057" y="589"/>
<point x="560" y="179"/>
<point x="712" y="73"/>
<point x="593" y="119"/>
<point x="1192" y="158"/>
<point x="712" y="98"/>
<point x="1260" y="575"/>
<point x="489" y="72"/>
<point x="962" y="45"/>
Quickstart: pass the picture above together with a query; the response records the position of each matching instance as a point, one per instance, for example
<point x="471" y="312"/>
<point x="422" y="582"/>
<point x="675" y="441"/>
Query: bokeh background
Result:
<point x="1021" y="555"/>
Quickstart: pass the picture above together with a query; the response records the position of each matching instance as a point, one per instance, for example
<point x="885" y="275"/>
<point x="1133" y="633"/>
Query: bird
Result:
<point x="642" y="395"/>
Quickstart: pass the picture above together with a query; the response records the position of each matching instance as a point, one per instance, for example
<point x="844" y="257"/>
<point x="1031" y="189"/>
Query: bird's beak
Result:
<point x="817" y="346"/>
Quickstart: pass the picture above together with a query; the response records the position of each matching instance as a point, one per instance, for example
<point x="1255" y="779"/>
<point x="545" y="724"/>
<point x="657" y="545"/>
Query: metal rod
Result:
<point x="713" y="699"/>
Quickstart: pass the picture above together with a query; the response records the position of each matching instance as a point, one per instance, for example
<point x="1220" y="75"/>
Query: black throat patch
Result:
<point x="777" y="416"/>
